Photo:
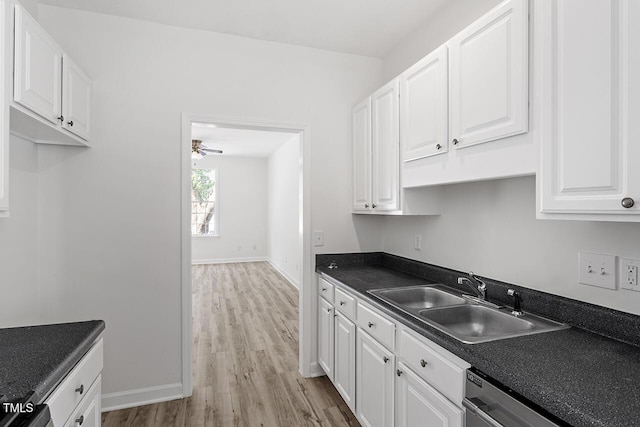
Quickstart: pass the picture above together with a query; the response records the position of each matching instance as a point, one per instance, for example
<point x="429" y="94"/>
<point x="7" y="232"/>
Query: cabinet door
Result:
<point x="325" y="337"/>
<point x="5" y="60"/>
<point x="424" y="107"/>
<point x="489" y="76"/>
<point x="374" y="382"/>
<point x="345" y="359"/>
<point x="419" y="404"/>
<point x="76" y="99"/>
<point x="590" y="131"/>
<point x="38" y="68"/>
<point x="361" y="162"/>
<point x="385" y="141"/>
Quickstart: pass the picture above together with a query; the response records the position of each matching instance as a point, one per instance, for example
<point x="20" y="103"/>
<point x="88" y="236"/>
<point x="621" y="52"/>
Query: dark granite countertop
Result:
<point x="36" y="358"/>
<point x="581" y="377"/>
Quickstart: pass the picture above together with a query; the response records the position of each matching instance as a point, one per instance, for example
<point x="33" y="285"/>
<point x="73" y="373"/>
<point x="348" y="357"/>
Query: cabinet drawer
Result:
<point x="345" y="303"/>
<point x="446" y="374"/>
<point x="66" y="397"/>
<point x="325" y="289"/>
<point x="88" y="412"/>
<point x="377" y="326"/>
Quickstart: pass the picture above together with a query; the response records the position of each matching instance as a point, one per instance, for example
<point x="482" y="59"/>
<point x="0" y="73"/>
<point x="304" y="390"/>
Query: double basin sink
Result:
<point x="465" y="319"/>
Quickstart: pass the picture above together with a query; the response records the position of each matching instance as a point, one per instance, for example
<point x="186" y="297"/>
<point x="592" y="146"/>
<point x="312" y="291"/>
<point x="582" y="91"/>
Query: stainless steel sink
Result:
<point x="418" y="297"/>
<point x="446" y="310"/>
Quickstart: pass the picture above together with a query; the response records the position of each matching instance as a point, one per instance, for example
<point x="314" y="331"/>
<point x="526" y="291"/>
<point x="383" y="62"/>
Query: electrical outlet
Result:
<point x="417" y="243"/>
<point x="629" y="274"/>
<point x="597" y="270"/>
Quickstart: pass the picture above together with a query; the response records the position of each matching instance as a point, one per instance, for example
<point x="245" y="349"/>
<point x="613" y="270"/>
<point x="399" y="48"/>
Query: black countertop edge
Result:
<point x="38" y="358"/>
<point x="604" y="321"/>
<point x="562" y="371"/>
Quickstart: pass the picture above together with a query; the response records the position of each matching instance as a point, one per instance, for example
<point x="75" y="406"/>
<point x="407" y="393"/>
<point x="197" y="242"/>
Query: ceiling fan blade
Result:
<point x="211" y="150"/>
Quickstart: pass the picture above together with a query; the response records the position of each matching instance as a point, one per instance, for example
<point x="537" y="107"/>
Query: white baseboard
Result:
<point x="143" y="396"/>
<point x="293" y="282"/>
<point x="227" y="260"/>
<point x="315" y="371"/>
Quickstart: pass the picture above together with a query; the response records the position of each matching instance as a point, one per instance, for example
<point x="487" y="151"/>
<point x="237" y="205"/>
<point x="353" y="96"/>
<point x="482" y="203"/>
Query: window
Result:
<point x="203" y="202"/>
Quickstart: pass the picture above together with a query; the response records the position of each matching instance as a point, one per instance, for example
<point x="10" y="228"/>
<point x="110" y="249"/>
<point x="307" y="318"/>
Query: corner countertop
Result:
<point x="37" y="358"/>
<point x="582" y="378"/>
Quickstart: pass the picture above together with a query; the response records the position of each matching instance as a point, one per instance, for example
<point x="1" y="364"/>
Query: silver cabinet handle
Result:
<point x="474" y="405"/>
<point x="70" y="123"/>
<point x="61" y="118"/>
<point x="80" y="389"/>
<point x="342" y="302"/>
<point x="455" y="141"/>
<point x="628" y="202"/>
<point x="374" y="206"/>
<point x="398" y="372"/>
<point x="385" y="359"/>
<point x="328" y="310"/>
<point x="324" y="289"/>
<point x="366" y="205"/>
<point x="80" y="420"/>
<point x="438" y="146"/>
<point x="423" y="363"/>
<point x="370" y="324"/>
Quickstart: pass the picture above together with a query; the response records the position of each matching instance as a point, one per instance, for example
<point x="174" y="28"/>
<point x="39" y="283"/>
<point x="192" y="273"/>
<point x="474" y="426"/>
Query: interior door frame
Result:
<point x="306" y="312"/>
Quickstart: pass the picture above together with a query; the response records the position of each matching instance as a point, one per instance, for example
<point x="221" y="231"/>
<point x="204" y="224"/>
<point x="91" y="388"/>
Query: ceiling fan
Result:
<point x="198" y="150"/>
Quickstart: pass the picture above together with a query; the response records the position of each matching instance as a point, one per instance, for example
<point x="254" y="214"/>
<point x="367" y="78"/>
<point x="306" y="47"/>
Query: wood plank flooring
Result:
<point x="245" y="359"/>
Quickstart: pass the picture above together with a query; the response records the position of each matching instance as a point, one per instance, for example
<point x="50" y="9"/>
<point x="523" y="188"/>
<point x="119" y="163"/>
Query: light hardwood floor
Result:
<point x="245" y="359"/>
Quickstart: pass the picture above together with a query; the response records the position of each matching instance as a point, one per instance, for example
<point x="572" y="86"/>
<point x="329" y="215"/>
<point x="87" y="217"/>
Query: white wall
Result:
<point x="19" y="239"/>
<point x="491" y="229"/>
<point x="242" y="208"/>
<point x="283" y="227"/>
<point x="114" y="252"/>
<point x="446" y="23"/>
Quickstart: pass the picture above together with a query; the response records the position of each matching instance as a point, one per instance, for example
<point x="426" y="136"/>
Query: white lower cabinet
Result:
<point x="387" y="374"/>
<point x="418" y="404"/>
<point x="374" y="382"/>
<point x="344" y="364"/>
<point x="325" y="337"/>
<point x="88" y="412"/>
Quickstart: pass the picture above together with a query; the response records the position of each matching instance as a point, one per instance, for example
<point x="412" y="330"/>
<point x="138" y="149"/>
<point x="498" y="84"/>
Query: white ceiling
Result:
<point x="363" y="27"/>
<point x="239" y="142"/>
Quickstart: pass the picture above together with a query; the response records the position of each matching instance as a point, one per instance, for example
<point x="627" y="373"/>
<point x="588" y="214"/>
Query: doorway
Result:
<point x="294" y="265"/>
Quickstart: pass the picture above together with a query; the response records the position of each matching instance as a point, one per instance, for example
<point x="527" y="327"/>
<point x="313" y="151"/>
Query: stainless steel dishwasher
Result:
<point x="490" y="404"/>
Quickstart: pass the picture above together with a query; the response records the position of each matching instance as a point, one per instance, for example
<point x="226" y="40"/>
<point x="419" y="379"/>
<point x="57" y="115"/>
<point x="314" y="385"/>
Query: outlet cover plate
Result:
<point x="318" y="238"/>
<point x="597" y="270"/>
<point x="629" y="274"/>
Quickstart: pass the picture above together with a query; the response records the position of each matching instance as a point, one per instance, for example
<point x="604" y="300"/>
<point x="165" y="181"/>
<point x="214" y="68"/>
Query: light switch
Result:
<point x="318" y="238"/>
<point x="597" y="270"/>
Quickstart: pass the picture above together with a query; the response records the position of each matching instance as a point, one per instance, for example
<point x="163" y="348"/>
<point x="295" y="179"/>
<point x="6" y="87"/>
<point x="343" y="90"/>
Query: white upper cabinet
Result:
<point x="385" y="148"/>
<point x="488" y="72"/>
<point x="590" y="133"/>
<point x="424" y="107"/>
<point x="38" y="68"/>
<point x="76" y="108"/>
<point x="361" y="162"/>
<point x="5" y="58"/>
<point x="51" y="94"/>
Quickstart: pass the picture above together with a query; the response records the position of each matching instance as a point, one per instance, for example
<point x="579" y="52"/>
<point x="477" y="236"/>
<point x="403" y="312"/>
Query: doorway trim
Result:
<point x="306" y="307"/>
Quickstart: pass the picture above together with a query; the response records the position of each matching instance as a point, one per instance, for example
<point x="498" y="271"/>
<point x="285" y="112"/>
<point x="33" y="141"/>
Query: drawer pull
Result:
<point x="342" y="303"/>
<point x="398" y="372"/>
<point x="423" y="363"/>
<point x="324" y="289"/>
<point x="370" y="324"/>
<point x="80" y="389"/>
<point x="80" y="420"/>
<point x="328" y="310"/>
<point x="385" y="359"/>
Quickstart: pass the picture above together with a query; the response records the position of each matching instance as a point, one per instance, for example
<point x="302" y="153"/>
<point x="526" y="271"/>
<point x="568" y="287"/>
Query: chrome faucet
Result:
<point x="478" y="286"/>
